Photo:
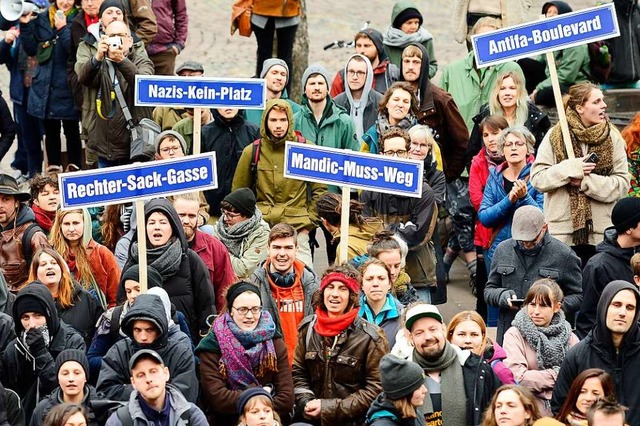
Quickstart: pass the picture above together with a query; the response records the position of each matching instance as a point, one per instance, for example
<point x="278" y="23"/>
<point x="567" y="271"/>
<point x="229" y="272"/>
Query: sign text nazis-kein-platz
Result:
<point x="137" y="182"/>
<point x="546" y="35"/>
<point x="200" y="92"/>
<point x="354" y="169"/>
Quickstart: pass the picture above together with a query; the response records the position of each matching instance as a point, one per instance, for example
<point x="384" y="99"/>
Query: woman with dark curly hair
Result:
<point x="336" y="366"/>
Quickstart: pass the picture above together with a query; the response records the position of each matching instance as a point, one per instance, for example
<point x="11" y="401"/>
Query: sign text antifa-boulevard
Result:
<point x="137" y="182"/>
<point x="354" y="169"/>
<point x="546" y="35"/>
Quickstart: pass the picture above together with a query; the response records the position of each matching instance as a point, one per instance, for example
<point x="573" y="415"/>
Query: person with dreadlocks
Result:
<point x="243" y="350"/>
<point x="361" y="229"/>
<point x="592" y="182"/>
<point x="91" y="263"/>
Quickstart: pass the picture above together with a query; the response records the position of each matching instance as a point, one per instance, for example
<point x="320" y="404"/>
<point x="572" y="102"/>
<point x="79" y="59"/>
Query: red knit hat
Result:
<point x="351" y="283"/>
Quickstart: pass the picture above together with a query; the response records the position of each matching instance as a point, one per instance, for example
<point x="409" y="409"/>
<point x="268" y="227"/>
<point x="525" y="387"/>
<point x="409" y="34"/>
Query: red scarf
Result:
<point x="327" y="326"/>
<point x="89" y="20"/>
<point x="43" y="218"/>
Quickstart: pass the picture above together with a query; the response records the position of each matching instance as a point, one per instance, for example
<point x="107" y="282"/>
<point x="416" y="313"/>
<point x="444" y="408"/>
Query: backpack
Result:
<point x="114" y="325"/>
<point x="255" y="152"/>
<point x="600" y="60"/>
<point x="125" y="416"/>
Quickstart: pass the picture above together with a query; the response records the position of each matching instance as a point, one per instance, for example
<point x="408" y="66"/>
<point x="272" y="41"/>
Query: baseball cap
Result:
<point x="527" y="223"/>
<point x="144" y="354"/>
<point x="423" y="310"/>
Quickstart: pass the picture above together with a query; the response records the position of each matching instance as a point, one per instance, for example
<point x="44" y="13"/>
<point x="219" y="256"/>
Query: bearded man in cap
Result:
<point x="530" y="254"/>
<point x="21" y="236"/>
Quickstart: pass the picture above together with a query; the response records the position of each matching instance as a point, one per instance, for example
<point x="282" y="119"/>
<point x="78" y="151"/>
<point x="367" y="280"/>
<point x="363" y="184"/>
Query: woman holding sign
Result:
<point x="589" y="180"/>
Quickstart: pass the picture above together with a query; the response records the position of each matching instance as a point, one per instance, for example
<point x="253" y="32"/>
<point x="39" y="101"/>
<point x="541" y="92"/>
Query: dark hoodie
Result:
<point x="611" y="262"/>
<point x="175" y="352"/>
<point x="439" y="111"/>
<point x="560" y="5"/>
<point x="33" y="376"/>
<point x="597" y="351"/>
<point x="625" y="49"/>
<point x="189" y="288"/>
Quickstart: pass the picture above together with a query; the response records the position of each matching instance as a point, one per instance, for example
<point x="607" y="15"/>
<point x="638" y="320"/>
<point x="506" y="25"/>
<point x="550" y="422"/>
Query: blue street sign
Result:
<point x="196" y="92"/>
<point x="372" y="172"/>
<point x="546" y="35"/>
<point x="135" y="182"/>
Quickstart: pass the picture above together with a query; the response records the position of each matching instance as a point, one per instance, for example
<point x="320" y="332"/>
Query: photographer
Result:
<point x="107" y="54"/>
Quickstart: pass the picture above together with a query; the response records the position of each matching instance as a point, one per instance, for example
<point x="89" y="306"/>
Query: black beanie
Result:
<point x="247" y="394"/>
<point x="154" y="279"/>
<point x="405" y="15"/>
<point x="376" y="37"/>
<point x="73" y="355"/>
<point x="31" y="303"/>
<point x="110" y="3"/>
<point x="399" y="377"/>
<point x="626" y="214"/>
<point x="243" y="200"/>
<point x="237" y="289"/>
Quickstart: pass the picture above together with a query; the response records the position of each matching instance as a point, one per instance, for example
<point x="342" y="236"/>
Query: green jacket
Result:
<point x="254" y="250"/>
<point x="185" y="128"/>
<point x="572" y="65"/>
<point x="287" y="200"/>
<point x="255" y="115"/>
<point x="469" y="89"/>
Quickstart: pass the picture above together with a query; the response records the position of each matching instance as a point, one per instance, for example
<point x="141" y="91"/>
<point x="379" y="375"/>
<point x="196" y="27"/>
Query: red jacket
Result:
<point x="478" y="175"/>
<point x="173" y="23"/>
<point x="216" y="257"/>
<point x="105" y="269"/>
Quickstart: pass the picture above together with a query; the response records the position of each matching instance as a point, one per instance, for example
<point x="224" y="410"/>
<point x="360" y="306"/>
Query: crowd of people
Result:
<point x="237" y="325"/>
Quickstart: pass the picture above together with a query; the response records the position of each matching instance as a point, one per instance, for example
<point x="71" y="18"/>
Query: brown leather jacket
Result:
<point x="347" y="379"/>
<point x="13" y="262"/>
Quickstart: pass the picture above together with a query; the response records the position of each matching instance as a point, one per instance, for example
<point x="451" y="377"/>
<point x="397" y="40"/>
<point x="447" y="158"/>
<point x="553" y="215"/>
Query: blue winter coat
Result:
<point x="496" y="211"/>
<point x="50" y="96"/>
<point x="9" y="57"/>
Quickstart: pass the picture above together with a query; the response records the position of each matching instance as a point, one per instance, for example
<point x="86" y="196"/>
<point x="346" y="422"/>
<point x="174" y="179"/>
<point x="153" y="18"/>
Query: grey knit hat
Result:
<point x="174" y="134"/>
<point x="315" y="69"/>
<point x="399" y="377"/>
<point x="272" y="62"/>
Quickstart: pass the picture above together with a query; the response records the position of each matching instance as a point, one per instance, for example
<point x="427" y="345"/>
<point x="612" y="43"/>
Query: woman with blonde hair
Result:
<point x="468" y="330"/>
<point x="75" y="306"/>
<point x="511" y="405"/>
<point x="91" y="263"/>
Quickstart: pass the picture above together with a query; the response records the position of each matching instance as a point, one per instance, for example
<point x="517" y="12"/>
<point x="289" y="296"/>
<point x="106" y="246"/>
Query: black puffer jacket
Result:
<point x="227" y="138"/>
<point x="175" y="350"/>
<point x="610" y="263"/>
<point x="597" y="351"/>
<point x="33" y="379"/>
<point x="189" y="288"/>
<point x="625" y="50"/>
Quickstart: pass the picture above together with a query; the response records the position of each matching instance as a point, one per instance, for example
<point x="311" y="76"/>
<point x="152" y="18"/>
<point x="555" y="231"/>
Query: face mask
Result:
<point x="531" y="251"/>
<point x="45" y="334"/>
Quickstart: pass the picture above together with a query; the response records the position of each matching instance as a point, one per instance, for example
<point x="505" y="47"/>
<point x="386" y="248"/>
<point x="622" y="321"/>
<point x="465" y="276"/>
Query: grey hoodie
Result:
<point x="356" y="108"/>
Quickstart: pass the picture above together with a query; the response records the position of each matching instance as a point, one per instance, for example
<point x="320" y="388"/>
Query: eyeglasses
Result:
<point x="516" y="143"/>
<point x="244" y="310"/>
<point x="168" y="149"/>
<point x="358" y="74"/>
<point x="396" y="153"/>
<point x="420" y="146"/>
<point x="229" y="214"/>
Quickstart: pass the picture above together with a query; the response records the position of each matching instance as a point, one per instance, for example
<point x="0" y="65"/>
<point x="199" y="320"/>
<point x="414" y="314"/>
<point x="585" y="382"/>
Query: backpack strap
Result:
<point x="27" y="250"/>
<point x="255" y="156"/>
<point x="114" y="325"/>
<point x="124" y="416"/>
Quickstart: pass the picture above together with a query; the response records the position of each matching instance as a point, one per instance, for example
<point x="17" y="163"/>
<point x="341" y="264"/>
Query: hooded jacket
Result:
<point x="92" y="403"/>
<point x="280" y="200"/>
<point x="383" y="413"/>
<point x="611" y="262"/>
<point x="363" y="112"/>
<point x="175" y="351"/>
<point x="625" y="49"/>
<point x="189" y="288"/>
<point x="33" y="376"/>
<point x="597" y="351"/>
<point x="439" y="111"/>
<point x="227" y="138"/>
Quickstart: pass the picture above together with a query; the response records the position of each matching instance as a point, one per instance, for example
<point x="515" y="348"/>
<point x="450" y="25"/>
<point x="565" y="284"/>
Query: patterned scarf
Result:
<point x="165" y="259"/>
<point x="493" y="158"/>
<point x="598" y="139"/>
<point x="382" y="124"/>
<point x="550" y="343"/>
<point x="233" y="237"/>
<point x="245" y="355"/>
<point x="327" y="326"/>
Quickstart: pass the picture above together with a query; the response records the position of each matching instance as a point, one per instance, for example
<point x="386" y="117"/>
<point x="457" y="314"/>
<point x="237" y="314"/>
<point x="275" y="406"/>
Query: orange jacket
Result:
<point x="105" y="270"/>
<point x="277" y="8"/>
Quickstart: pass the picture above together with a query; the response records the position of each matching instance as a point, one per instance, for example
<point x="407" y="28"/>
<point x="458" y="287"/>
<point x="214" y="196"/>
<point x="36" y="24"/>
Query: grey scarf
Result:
<point x="165" y="259"/>
<point x="382" y="123"/>
<point x="550" y="343"/>
<point x="398" y="38"/>
<point x="454" y="408"/>
<point x="233" y="238"/>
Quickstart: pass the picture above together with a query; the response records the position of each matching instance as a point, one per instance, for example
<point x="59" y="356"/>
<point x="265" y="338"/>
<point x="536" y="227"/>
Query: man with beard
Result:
<point x="261" y="167"/>
<point x="369" y="42"/>
<point x="286" y="285"/>
<point x="276" y="75"/>
<point x="212" y="252"/>
<point x="450" y="371"/>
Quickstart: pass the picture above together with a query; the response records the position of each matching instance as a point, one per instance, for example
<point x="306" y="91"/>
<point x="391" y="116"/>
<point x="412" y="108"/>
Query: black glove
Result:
<point x="504" y="297"/>
<point x="35" y="340"/>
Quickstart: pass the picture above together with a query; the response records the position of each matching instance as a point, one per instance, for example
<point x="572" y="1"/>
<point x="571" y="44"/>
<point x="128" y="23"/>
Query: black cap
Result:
<point x="626" y="214"/>
<point x="250" y="393"/>
<point x="405" y="15"/>
<point x="106" y="4"/>
<point x="144" y="354"/>
<point x="73" y="355"/>
<point x="237" y="289"/>
<point x="243" y="200"/>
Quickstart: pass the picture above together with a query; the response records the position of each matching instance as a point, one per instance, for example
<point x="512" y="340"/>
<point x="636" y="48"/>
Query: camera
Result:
<point x="114" y="42"/>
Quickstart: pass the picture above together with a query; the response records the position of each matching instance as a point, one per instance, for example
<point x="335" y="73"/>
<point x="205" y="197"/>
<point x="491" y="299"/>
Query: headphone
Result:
<point x="281" y="280"/>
